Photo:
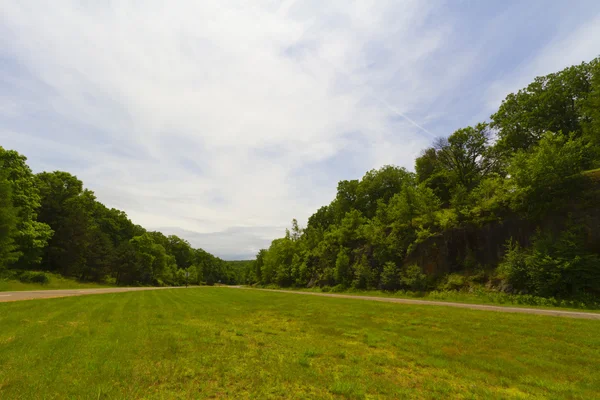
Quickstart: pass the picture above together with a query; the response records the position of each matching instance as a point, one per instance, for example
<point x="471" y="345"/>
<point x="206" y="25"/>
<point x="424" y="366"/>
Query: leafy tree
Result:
<point x="431" y="173"/>
<point x="342" y="267"/>
<point x="259" y="264"/>
<point x="181" y="250"/>
<point x="8" y="222"/>
<point x="591" y="111"/>
<point x="550" y="172"/>
<point x="550" y="103"/>
<point x="30" y="236"/>
<point x="555" y="265"/>
<point x="390" y="277"/>
<point x="466" y="155"/>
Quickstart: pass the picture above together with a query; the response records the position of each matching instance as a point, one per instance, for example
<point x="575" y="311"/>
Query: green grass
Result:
<point x="56" y="282"/>
<point x="231" y="343"/>
<point x="475" y="297"/>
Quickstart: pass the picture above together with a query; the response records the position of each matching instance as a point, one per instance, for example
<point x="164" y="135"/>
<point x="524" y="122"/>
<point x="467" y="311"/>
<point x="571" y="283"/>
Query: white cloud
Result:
<point x="212" y="118"/>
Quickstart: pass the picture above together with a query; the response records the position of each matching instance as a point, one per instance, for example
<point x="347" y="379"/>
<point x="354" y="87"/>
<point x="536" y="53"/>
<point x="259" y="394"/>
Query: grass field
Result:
<point x="56" y="282"/>
<point x="231" y="343"/>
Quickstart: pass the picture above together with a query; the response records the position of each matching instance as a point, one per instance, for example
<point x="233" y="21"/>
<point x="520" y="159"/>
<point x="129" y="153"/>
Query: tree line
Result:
<point x="50" y="222"/>
<point x="533" y="161"/>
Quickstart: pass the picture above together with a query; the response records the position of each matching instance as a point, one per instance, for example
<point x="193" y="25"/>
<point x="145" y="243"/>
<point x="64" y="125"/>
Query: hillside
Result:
<point x="50" y="222"/>
<point x="510" y="204"/>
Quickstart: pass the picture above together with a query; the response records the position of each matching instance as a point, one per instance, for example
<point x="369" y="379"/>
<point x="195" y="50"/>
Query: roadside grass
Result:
<point x="225" y="343"/>
<point x="55" y="282"/>
<point x="475" y="297"/>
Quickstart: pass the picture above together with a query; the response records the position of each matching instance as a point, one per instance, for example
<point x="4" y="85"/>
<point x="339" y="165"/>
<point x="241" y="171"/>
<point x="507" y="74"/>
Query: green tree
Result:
<point x="431" y="173"/>
<point x="8" y="222"/>
<point x="390" y="276"/>
<point x="181" y="250"/>
<point x="466" y="155"/>
<point x="550" y="103"/>
<point x="342" y="267"/>
<point x="30" y="236"/>
<point x="591" y="111"/>
<point x="548" y="174"/>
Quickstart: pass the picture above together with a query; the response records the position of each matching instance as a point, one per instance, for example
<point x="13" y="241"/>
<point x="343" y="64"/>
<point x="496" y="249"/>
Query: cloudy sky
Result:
<point x="221" y="120"/>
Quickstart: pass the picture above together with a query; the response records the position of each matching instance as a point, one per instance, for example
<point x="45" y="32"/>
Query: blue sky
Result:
<point x="220" y="121"/>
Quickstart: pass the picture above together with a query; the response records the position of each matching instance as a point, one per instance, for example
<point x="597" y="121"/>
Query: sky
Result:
<point x="221" y="121"/>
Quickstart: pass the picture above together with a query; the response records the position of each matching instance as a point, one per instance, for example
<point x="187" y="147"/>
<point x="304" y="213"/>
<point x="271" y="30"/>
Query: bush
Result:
<point x="9" y="274"/>
<point x="339" y="289"/>
<point x="390" y="277"/>
<point x="453" y="282"/>
<point x="34" y="277"/>
<point x="412" y="278"/>
<point x="513" y="269"/>
<point x="553" y="266"/>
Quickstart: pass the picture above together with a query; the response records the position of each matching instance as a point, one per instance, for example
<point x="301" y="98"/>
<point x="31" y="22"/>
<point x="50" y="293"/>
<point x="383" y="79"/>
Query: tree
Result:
<point x="591" y="109"/>
<point x="30" y="236"/>
<point x="69" y="248"/>
<point x="151" y="260"/>
<point x="380" y="185"/>
<point x="181" y="250"/>
<point x="342" y="267"/>
<point x="431" y="173"/>
<point x="59" y="207"/>
<point x="258" y="265"/>
<point x="390" y="277"/>
<point x="8" y="222"/>
<point x="550" y="173"/>
<point x="550" y="103"/>
<point x="465" y="154"/>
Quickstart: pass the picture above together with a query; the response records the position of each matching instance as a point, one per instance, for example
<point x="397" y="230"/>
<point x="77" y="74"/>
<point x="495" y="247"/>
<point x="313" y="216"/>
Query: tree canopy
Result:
<point x="50" y="221"/>
<point x="526" y="164"/>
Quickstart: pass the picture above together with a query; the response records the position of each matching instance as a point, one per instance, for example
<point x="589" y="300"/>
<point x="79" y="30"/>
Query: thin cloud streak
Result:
<point x="223" y="120"/>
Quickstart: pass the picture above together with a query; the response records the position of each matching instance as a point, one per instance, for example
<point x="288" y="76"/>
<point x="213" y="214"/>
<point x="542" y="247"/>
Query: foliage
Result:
<point x="390" y="276"/>
<point x="525" y="165"/>
<point x="544" y="177"/>
<point x="52" y="220"/>
<point x="554" y="102"/>
<point x="554" y="266"/>
<point x="454" y="282"/>
<point x="30" y="236"/>
<point x="8" y="221"/>
<point x="34" y="277"/>
<point x="412" y="278"/>
<point x="9" y="281"/>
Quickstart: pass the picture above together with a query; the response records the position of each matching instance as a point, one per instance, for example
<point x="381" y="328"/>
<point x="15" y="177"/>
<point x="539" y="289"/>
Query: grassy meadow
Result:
<point x="232" y="343"/>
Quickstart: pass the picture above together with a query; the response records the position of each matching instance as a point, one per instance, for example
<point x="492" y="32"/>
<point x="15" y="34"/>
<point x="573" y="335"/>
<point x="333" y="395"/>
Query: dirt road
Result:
<point x="47" y="294"/>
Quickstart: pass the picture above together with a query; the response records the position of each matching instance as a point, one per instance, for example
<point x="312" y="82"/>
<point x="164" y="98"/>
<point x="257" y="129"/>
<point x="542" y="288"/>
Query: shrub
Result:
<point x="413" y="278"/>
<point x="553" y="266"/>
<point x="9" y="274"/>
<point x="453" y="282"/>
<point x="34" y="277"/>
<point x="390" y="276"/>
<point x="513" y="269"/>
<point x="339" y="289"/>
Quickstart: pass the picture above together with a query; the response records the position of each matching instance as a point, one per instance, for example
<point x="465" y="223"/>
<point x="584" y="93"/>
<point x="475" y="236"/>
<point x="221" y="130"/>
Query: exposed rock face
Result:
<point x="485" y="245"/>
